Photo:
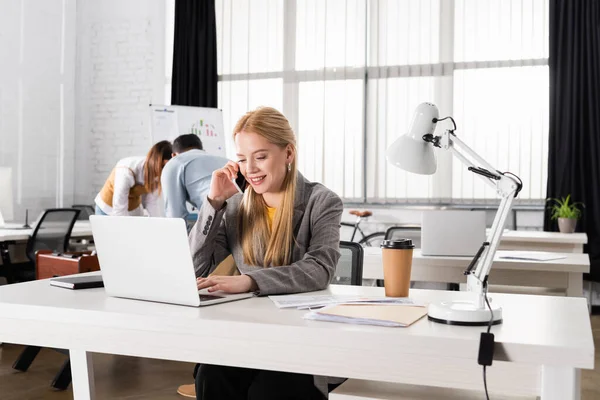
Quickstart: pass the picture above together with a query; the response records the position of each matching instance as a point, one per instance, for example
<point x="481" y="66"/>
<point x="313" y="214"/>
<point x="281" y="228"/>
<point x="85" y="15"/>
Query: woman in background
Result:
<point x="134" y="184"/>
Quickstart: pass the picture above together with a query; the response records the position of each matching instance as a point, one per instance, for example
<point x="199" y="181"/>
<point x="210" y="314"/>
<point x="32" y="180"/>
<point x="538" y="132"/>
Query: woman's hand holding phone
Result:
<point x="221" y="185"/>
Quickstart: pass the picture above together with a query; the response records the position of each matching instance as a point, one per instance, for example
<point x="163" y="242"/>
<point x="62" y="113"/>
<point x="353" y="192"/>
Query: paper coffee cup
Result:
<point x="397" y="263"/>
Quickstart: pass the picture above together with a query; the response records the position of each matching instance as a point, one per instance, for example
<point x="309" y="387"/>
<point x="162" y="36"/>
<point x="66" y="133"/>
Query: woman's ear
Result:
<point x="289" y="154"/>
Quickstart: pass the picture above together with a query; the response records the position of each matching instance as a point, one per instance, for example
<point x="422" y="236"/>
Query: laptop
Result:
<point x="452" y="232"/>
<point x="149" y="259"/>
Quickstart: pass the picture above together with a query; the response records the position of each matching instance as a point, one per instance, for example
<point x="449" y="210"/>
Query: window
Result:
<point x="349" y="73"/>
<point x="37" y="105"/>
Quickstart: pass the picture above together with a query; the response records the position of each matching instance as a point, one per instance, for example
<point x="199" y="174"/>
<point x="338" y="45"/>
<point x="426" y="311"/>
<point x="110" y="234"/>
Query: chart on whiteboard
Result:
<point x="168" y="122"/>
<point x="203" y="129"/>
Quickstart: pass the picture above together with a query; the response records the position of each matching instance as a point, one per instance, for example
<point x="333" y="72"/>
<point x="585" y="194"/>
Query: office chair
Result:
<point x="349" y="269"/>
<point x="85" y="211"/>
<point x="405" y="232"/>
<point x="52" y="232"/>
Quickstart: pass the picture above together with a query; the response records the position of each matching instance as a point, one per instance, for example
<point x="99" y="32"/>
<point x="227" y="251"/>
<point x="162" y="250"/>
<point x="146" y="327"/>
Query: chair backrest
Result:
<point x="349" y="269"/>
<point x="52" y="232"/>
<point x="85" y="211"/>
<point x="412" y="232"/>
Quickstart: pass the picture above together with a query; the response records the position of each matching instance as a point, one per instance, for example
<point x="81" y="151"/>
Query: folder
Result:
<point x="78" y="282"/>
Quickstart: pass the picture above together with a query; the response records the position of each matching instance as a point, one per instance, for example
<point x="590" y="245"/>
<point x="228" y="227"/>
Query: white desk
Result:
<point x="543" y="241"/>
<point x="565" y="273"/>
<point x="80" y="229"/>
<point x="541" y="345"/>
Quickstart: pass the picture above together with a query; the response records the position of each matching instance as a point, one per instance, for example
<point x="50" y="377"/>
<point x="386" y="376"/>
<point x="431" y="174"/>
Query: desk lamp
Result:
<point x="414" y="152"/>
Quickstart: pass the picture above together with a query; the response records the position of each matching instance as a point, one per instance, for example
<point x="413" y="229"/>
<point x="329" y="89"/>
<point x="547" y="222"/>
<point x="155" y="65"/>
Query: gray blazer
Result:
<point x="317" y="215"/>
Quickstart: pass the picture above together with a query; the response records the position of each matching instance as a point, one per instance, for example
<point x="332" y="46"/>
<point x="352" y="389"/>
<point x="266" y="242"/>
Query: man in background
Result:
<point x="186" y="177"/>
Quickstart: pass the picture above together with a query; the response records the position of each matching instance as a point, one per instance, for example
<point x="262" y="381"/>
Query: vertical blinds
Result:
<point x="349" y="73"/>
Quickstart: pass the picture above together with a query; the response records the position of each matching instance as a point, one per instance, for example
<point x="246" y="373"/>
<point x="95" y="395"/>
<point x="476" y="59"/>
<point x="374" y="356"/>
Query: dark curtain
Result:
<point x="195" y="54"/>
<point x="574" y="143"/>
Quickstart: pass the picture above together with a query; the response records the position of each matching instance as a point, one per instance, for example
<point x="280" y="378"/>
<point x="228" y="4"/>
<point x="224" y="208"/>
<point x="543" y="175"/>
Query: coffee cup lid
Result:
<point x="397" y="244"/>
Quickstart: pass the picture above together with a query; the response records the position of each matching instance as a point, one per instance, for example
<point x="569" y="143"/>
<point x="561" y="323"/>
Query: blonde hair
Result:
<point x="277" y="244"/>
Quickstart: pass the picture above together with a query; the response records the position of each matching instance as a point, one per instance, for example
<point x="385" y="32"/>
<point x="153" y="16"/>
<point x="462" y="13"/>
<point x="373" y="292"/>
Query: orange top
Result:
<point x="271" y="214"/>
<point x="135" y="193"/>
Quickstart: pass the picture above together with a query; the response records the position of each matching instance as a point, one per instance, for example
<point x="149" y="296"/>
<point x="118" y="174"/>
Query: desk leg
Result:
<point x="82" y="371"/>
<point x="560" y="383"/>
<point x="6" y="263"/>
<point x="575" y="285"/>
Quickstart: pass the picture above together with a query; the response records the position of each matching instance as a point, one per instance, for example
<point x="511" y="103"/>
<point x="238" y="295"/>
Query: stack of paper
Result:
<point x="316" y="301"/>
<point x="389" y="315"/>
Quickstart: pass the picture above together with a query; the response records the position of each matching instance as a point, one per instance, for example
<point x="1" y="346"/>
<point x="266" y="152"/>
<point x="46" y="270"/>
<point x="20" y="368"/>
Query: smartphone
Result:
<point x="240" y="182"/>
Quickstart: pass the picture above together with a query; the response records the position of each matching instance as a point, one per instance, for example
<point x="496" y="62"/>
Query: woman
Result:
<point x="134" y="184"/>
<point x="283" y="233"/>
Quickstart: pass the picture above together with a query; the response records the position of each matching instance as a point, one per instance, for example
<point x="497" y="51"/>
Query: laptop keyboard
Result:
<point x="206" y="297"/>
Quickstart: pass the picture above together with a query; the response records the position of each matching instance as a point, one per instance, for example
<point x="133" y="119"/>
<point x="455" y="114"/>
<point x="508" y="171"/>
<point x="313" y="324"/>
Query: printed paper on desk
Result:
<point x="393" y="316"/>
<point x="314" y="301"/>
<point x="532" y="256"/>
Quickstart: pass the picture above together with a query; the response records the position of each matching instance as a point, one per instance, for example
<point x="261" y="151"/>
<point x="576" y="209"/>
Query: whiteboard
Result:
<point x="168" y="122"/>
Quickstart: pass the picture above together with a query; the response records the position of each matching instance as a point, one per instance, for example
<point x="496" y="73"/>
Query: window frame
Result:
<point x="443" y="94"/>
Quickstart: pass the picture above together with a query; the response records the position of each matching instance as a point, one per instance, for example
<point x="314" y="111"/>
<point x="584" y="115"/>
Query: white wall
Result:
<point x="120" y="71"/>
<point x="37" y="77"/>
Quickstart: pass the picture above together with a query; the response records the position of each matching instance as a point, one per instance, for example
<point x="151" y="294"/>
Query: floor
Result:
<point x="119" y="377"/>
<point x="590" y="380"/>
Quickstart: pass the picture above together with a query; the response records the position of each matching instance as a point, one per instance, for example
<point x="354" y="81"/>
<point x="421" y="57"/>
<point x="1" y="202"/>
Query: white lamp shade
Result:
<point x="411" y="155"/>
<point x="410" y="152"/>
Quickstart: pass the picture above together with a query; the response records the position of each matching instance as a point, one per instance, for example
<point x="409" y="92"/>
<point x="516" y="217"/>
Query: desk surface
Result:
<point x="81" y="229"/>
<point x="254" y="333"/>
<point x="544" y="237"/>
<point x="572" y="262"/>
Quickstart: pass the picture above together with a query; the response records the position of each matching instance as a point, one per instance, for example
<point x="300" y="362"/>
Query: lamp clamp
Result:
<point x="435" y="140"/>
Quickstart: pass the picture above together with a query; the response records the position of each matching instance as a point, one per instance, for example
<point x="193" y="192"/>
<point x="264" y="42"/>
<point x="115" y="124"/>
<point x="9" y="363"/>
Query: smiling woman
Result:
<point x="283" y="233"/>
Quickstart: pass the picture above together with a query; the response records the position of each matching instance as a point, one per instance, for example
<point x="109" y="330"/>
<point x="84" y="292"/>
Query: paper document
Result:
<point x="532" y="256"/>
<point x="389" y="315"/>
<point x="165" y="125"/>
<point x="315" y="301"/>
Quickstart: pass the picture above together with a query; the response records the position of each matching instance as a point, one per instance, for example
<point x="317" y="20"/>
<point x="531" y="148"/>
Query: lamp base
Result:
<point x="465" y="313"/>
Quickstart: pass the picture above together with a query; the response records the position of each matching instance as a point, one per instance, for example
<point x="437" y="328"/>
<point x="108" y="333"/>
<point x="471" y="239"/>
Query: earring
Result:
<point x="289" y="167"/>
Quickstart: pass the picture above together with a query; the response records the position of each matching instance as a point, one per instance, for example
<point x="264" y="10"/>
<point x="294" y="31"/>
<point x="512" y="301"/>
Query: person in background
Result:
<point x="283" y="233"/>
<point x="134" y="184"/>
<point x="186" y="177"/>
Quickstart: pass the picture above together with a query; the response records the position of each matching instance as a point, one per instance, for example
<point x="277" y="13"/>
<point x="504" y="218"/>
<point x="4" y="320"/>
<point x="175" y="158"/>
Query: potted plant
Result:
<point x="566" y="212"/>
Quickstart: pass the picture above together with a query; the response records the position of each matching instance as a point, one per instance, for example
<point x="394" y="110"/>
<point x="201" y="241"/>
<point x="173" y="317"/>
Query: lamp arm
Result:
<point x="507" y="187"/>
<point x="453" y="140"/>
<point x="449" y="141"/>
<point x="477" y="279"/>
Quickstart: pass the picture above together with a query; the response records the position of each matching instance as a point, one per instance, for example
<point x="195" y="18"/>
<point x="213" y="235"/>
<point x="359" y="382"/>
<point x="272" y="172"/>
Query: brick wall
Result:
<point x="121" y="71"/>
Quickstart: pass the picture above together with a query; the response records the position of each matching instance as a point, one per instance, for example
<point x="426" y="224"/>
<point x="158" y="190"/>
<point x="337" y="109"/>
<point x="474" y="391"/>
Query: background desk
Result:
<point x="543" y="241"/>
<point x="541" y="345"/>
<point x="565" y="273"/>
<point x="81" y="229"/>
<point x="18" y="239"/>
